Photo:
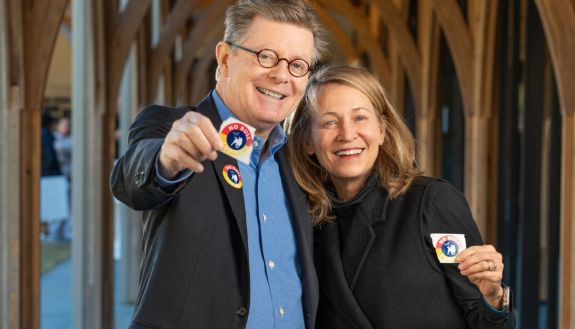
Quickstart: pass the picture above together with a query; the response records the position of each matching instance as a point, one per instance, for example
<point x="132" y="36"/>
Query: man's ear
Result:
<point x="222" y="56"/>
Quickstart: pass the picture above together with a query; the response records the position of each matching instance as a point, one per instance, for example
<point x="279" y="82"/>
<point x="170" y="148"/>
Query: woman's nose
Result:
<point x="347" y="131"/>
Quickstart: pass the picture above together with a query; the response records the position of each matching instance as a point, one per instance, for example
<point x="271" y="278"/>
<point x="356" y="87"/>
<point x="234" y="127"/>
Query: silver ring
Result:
<point x="491" y="266"/>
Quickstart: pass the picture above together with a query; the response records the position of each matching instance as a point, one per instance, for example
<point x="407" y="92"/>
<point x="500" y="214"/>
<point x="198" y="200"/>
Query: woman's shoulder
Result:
<point x="433" y="187"/>
<point x="431" y="183"/>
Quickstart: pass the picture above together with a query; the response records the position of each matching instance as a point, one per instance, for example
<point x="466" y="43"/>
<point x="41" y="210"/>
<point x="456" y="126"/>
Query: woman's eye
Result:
<point x="361" y="118"/>
<point x="329" y="123"/>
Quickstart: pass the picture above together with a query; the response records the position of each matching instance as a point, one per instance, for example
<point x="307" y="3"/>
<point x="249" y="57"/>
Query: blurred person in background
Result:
<point x="50" y="166"/>
<point x="63" y="146"/>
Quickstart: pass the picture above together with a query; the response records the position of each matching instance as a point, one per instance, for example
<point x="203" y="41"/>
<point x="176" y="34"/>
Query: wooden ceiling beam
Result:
<point x="122" y="35"/>
<point x="177" y="19"/>
<point x="397" y="26"/>
<point x="379" y="63"/>
<point x="42" y="21"/>
<point x="558" y="18"/>
<point x="341" y="37"/>
<point x="459" y="41"/>
<point x="196" y="41"/>
<point x="200" y="70"/>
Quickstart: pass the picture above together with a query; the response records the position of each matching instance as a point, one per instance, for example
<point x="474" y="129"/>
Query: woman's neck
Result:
<point x="347" y="190"/>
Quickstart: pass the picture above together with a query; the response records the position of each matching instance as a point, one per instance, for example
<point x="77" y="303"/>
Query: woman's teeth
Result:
<point x="349" y="152"/>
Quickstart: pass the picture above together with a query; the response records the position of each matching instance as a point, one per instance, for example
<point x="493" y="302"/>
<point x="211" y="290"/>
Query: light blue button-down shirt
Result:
<point x="275" y="283"/>
<point x="275" y="277"/>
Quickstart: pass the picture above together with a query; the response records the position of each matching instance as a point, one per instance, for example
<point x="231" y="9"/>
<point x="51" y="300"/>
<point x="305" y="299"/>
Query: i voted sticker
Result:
<point x="238" y="139"/>
<point x="448" y="246"/>
<point x="232" y="176"/>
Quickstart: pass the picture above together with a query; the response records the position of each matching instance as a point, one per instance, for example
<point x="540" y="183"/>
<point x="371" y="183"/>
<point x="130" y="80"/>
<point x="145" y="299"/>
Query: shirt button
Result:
<point x="256" y="144"/>
<point x="265" y="217"/>
<point x="271" y="264"/>
<point x="241" y="311"/>
<point x="282" y="312"/>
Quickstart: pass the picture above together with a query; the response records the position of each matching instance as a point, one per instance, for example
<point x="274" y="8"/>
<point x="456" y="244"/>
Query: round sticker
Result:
<point x="232" y="176"/>
<point x="237" y="138"/>
<point x="447" y="247"/>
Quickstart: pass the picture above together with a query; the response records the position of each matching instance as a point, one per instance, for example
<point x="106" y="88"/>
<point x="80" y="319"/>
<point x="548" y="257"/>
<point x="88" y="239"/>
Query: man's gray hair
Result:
<point x="240" y="16"/>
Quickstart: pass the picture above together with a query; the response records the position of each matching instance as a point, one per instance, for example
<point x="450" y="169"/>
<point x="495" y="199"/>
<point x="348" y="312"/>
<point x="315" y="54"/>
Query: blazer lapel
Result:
<point x="361" y="236"/>
<point x="302" y="226"/>
<point x="235" y="195"/>
<point x="333" y="279"/>
<point x="299" y="206"/>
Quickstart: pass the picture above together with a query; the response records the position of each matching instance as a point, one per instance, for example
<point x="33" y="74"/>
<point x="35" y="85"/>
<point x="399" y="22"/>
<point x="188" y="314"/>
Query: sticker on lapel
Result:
<point x="232" y="176"/>
<point x="237" y="138"/>
<point x="448" y="246"/>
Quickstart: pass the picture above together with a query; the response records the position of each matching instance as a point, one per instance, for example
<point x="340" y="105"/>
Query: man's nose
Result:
<point x="280" y="72"/>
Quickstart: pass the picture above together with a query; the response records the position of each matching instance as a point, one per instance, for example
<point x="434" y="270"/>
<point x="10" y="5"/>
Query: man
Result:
<point x="228" y="244"/>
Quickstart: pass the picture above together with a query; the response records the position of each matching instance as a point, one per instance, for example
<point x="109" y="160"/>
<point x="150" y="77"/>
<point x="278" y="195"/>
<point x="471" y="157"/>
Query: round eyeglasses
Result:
<point x="268" y="58"/>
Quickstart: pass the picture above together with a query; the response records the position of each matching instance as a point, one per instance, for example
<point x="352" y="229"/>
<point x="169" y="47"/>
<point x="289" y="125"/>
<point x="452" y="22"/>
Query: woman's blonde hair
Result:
<point x="396" y="160"/>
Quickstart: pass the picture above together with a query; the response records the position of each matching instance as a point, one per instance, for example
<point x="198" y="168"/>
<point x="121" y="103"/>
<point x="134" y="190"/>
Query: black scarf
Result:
<point x="345" y="210"/>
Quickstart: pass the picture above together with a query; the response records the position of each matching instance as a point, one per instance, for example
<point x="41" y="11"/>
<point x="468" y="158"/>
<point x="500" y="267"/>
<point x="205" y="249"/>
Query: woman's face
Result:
<point x="345" y="137"/>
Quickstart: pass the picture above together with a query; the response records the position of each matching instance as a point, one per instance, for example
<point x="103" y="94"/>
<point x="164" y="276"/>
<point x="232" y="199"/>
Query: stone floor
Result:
<point x="56" y="305"/>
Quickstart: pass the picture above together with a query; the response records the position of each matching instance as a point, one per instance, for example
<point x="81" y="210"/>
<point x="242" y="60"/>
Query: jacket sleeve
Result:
<point x="445" y="210"/>
<point x="132" y="180"/>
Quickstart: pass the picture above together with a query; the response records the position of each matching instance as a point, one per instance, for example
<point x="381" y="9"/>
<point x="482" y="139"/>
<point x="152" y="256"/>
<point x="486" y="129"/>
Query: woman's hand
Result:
<point x="483" y="266"/>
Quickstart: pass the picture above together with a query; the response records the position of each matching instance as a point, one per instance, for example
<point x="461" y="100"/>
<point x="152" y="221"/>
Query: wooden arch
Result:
<point x="199" y="37"/>
<point x="29" y="34"/>
<point x="366" y="39"/>
<point x="28" y="30"/>
<point x="558" y="19"/>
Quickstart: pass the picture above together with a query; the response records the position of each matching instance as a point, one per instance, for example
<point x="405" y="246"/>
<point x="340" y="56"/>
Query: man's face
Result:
<point x="263" y="97"/>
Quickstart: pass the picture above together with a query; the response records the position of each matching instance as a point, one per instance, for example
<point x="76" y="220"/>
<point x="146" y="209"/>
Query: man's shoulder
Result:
<point x="176" y="112"/>
<point x="158" y="114"/>
<point x="166" y="110"/>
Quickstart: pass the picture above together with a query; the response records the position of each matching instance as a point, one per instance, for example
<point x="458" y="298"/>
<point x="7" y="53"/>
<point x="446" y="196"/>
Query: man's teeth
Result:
<point x="349" y="152"/>
<point x="270" y="93"/>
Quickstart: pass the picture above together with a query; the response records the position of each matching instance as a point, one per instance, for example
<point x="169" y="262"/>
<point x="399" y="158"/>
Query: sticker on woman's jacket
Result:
<point x="448" y="246"/>
<point x="232" y="176"/>
<point x="237" y="138"/>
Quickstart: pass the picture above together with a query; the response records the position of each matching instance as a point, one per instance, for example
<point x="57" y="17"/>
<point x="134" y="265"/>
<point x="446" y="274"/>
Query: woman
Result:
<point x="375" y="214"/>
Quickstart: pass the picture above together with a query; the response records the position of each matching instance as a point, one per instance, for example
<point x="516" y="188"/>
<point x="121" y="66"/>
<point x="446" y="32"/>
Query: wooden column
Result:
<point x="129" y="220"/>
<point x="567" y="282"/>
<point x="101" y="44"/>
<point x="428" y="40"/>
<point x="29" y="31"/>
<point x="558" y="19"/>
<point x="10" y="104"/>
<point x="472" y="48"/>
<point x="92" y="278"/>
